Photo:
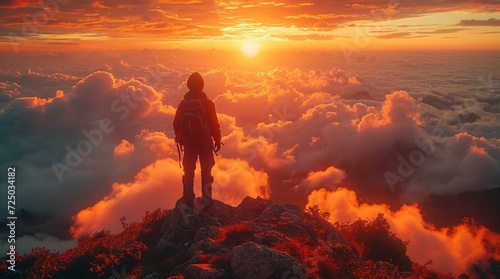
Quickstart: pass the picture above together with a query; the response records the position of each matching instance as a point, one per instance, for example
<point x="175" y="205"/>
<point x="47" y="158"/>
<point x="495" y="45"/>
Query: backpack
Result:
<point x="194" y="121"/>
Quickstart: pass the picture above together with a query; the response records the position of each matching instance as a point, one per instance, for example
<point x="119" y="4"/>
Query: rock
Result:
<point x="272" y="213"/>
<point x="253" y="207"/>
<point x="214" y="243"/>
<point x="251" y="260"/>
<point x="330" y="232"/>
<point x="207" y="245"/>
<point x="182" y="225"/>
<point x="199" y="271"/>
<point x="269" y="238"/>
<point x="164" y="248"/>
<point x="153" y="276"/>
<point x="293" y="222"/>
<point x="203" y="271"/>
<point x="208" y="231"/>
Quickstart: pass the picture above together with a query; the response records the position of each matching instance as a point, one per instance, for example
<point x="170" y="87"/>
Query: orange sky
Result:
<point x="362" y="24"/>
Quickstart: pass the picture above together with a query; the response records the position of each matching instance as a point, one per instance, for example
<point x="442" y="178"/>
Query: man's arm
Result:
<point x="213" y="122"/>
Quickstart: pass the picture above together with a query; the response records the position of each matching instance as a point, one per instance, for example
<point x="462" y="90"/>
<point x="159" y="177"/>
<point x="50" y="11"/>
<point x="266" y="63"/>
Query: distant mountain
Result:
<point x="448" y="210"/>
<point x="256" y="239"/>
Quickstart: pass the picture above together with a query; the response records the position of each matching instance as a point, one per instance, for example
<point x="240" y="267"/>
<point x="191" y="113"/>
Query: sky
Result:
<point x="395" y="24"/>
<point x="357" y="107"/>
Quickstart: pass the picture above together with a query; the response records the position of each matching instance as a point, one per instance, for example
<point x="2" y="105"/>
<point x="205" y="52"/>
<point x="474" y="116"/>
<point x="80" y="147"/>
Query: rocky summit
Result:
<point x="256" y="239"/>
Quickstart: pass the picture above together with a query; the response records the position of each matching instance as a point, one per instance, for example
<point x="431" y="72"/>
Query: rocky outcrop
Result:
<point x="254" y="261"/>
<point x="247" y="241"/>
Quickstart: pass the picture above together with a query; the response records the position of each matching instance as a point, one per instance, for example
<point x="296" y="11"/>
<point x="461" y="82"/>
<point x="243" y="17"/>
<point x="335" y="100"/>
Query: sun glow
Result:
<point x="249" y="48"/>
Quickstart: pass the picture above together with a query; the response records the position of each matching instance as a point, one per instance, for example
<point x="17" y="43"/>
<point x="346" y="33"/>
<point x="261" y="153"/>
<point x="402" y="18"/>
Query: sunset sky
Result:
<point x="311" y="113"/>
<point x="394" y="24"/>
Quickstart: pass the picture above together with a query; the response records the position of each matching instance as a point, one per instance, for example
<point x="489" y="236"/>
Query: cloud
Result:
<point x="442" y="31"/>
<point x="66" y="131"/>
<point x="17" y="3"/>
<point x="9" y="90"/>
<point x="450" y="249"/>
<point x="151" y="189"/>
<point x="288" y="131"/>
<point x="318" y="179"/>
<point x="159" y="185"/>
<point x="356" y="138"/>
<point x="186" y="20"/>
<point x="235" y="179"/>
<point x="123" y="149"/>
<point x="25" y="243"/>
<point x="395" y="35"/>
<point x="479" y="22"/>
<point x="33" y="83"/>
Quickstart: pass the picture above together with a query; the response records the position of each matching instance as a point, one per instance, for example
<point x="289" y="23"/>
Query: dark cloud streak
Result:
<point x="478" y="22"/>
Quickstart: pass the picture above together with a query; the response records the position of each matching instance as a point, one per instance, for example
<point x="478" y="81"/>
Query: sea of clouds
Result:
<point x="91" y="137"/>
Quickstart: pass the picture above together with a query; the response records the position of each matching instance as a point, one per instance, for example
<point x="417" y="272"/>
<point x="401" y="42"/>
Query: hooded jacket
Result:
<point x="195" y="84"/>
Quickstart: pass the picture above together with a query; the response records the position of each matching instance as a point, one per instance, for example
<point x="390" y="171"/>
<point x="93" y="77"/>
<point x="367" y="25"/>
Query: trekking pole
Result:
<point x="216" y="151"/>
<point x="179" y="151"/>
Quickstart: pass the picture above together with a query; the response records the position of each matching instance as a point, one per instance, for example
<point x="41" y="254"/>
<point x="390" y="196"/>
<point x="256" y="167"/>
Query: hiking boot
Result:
<point x="188" y="193"/>
<point x="188" y="201"/>
<point x="206" y="204"/>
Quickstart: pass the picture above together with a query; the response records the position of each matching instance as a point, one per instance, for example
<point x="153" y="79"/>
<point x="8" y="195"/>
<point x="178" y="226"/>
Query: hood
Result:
<point x="195" y="82"/>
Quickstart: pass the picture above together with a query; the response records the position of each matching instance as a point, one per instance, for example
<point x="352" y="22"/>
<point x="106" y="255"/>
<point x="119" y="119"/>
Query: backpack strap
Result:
<point x="179" y="151"/>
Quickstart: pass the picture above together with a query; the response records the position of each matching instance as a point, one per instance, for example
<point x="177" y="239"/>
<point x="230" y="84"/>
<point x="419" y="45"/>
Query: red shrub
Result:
<point x="295" y="248"/>
<point x="96" y="255"/>
<point x="375" y="241"/>
<point x="235" y="234"/>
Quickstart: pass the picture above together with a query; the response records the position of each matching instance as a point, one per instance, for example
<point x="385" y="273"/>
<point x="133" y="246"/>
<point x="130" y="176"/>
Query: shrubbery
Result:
<point x="374" y="241"/>
<point x="373" y="251"/>
<point x="97" y="255"/>
<point x="235" y="234"/>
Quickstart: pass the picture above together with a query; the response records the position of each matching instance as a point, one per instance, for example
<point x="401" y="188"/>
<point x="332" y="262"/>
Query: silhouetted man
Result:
<point x="195" y="125"/>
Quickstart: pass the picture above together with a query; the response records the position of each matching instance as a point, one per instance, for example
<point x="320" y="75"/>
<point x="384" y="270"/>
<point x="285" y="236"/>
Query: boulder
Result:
<point x="152" y="276"/>
<point x="253" y="208"/>
<point x="199" y="271"/>
<point x="203" y="271"/>
<point x="206" y="245"/>
<point x="182" y="225"/>
<point x="208" y="231"/>
<point x="251" y="260"/>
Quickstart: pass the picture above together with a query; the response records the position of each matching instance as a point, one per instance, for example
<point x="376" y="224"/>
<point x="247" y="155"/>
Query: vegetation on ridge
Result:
<point x="370" y="249"/>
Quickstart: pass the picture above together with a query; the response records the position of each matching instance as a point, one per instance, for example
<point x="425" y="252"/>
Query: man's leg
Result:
<point x="206" y="162"/>
<point x="189" y="165"/>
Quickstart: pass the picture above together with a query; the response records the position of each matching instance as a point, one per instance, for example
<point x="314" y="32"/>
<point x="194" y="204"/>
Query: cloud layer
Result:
<point x="98" y="142"/>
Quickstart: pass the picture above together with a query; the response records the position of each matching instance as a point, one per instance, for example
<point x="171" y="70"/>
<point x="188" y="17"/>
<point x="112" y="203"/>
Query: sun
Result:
<point x="249" y="48"/>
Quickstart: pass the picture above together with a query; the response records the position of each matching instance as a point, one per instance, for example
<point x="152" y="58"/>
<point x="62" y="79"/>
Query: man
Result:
<point x="195" y="125"/>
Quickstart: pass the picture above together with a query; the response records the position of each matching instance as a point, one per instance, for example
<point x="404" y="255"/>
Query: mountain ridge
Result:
<point x="256" y="239"/>
<point x="262" y="239"/>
